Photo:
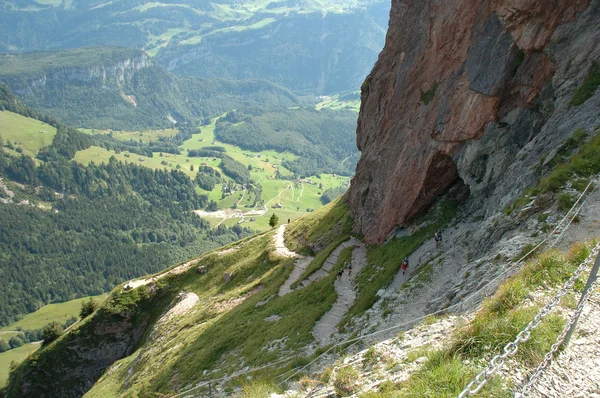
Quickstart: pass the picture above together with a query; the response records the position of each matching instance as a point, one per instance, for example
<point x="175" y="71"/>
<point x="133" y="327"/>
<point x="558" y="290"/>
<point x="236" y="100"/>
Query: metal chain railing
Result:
<point x="512" y="347"/>
<point x="555" y="347"/>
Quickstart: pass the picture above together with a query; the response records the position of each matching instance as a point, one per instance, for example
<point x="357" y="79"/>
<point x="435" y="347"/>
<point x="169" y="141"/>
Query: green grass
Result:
<point x="443" y="376"/>
<point x="29" y="134"/>
<point x="52" y="312"/>
<point x="321" y="227"/>
<point x="346" y="381"/>
<point x="212" y="338"/>
<point x="574" y="169"/>
<point x="501" y="317"/>
<point x="588" y="87"/>
<point x="498" y="321"/>
<point x="17" y="355"/>
<point x="258" y="389"/>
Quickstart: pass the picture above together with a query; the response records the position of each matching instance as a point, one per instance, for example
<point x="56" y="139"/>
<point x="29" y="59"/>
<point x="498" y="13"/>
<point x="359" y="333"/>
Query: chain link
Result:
<point x="511" y="348"/>
<point x="554" y="348"/>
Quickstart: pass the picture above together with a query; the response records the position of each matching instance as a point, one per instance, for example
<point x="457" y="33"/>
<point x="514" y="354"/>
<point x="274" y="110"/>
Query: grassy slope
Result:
<point x="219" y="332"/>
<point x="447" y="371"/>
<point x="52" y="312"/>
<point x="320" y="228"/>
<point x="24" y="132"/>
<point x="17" y="355"/>
<point x="209" y="338"/>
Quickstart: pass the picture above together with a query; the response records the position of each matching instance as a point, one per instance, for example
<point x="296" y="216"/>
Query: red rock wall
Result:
<point x="448" y="68"/>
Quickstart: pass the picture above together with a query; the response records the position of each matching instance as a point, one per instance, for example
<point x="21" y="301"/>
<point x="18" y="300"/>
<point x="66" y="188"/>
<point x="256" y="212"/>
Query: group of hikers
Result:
<point x="437" y="237"/>
<point x="347" y="266"/>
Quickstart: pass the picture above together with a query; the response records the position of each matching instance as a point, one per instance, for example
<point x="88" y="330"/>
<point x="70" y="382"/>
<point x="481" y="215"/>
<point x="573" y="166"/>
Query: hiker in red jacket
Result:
<point x="404" y="265"/>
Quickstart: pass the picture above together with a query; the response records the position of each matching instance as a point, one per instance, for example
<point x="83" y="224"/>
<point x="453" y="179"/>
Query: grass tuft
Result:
<point x="345" y="382"/>
<point x="588" y="87"/>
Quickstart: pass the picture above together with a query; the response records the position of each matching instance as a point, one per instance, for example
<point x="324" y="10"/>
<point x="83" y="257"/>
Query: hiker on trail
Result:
<point x="340" y="273"/>
<point x="349" y="269"/>
<point x="438" y="238"/>
<point x="404" y="265"/>
<point x="288" y="220"/>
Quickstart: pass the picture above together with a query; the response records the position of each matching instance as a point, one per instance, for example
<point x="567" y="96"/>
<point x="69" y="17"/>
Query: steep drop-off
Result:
<point x="473" y="90"/>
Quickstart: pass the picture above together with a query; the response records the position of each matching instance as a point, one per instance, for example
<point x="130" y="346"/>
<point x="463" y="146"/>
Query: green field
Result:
<point x="334" y="102"/>
<point x="17" y="355"/>
<point x="143" y="136"/>
<point x="52" y="312"/>
<point x="24" y="132"/>
<point x="295" y="197"/>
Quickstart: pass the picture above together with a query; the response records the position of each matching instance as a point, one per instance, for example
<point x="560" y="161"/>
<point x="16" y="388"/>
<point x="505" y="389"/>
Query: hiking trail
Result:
<point x="420" y="256"/>
<point x="344" y="287"/>
<point x="329" y="263"/>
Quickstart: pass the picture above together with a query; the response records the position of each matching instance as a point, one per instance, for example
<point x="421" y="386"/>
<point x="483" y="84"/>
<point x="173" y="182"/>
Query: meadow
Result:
<point x="17" y="356"/>
<point x="29" y="134"/>
<point x="52" y="312"/>
<point x="49" y="313"/>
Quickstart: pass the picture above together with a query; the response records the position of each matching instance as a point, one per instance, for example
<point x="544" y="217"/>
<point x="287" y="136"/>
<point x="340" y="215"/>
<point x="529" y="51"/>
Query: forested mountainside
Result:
<point x="323" y="140"/>
<point x="118" y="88"/>
<point x="309" y="46"/>
<point x="70" y="230"/>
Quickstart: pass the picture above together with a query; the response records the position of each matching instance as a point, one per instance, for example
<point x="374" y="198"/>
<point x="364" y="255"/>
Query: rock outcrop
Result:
<point x="473" y="90"/>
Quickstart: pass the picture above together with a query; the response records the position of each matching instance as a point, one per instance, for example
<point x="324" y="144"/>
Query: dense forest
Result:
<point x="207" y="178"/>
<point x="323" y="140"/>
<point x="78" y="230"/>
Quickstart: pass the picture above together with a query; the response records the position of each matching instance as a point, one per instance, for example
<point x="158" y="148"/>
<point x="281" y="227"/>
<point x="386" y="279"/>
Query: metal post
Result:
<point x="591" y="279"/>
<point x="209" y="390"/>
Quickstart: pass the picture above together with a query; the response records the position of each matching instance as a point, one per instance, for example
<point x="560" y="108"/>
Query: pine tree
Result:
<point x="87" y="308"/>
<point x="273" y="221"/>
<point x="51" y="332"/>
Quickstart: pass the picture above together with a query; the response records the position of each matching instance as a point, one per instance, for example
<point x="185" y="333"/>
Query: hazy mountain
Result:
<point x="308" y="46"/>
<point x="119" y="88"/>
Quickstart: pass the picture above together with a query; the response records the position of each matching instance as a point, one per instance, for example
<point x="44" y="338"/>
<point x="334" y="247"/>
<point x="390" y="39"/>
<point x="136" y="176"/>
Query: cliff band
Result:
<point x="464" y="90"/>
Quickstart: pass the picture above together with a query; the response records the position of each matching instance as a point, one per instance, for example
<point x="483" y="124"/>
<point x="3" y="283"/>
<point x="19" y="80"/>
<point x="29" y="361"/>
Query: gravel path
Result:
<point x="424" y="253"/>
<point x="329" y="263"/>
<point x="299" y="268"/>
<point x="344" y="287"/>
<point x="280" y="248"/>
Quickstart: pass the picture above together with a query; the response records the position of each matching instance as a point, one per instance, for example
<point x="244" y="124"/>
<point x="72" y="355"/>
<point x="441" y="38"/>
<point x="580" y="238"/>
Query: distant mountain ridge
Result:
<point x="310" y="46"/>
<point x="313" y="53"/>
<point x="120" y="88"/>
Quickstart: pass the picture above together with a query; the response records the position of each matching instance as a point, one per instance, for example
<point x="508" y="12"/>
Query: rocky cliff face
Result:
<point x="111" y="76"/>
<point x="473" y="90"/>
